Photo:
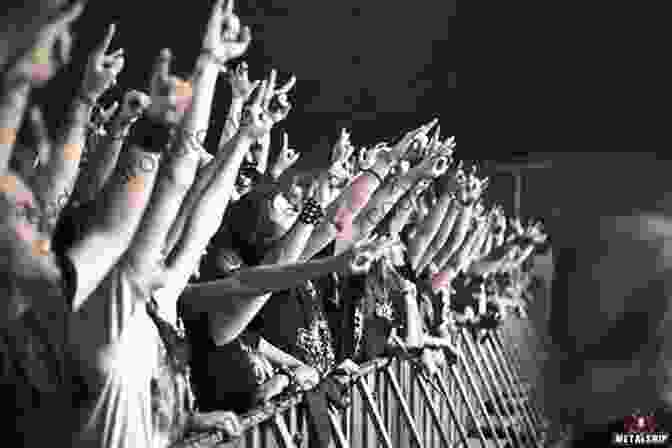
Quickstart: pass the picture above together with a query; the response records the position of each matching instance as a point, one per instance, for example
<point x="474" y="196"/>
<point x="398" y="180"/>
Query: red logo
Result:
<point x="637" y="423"/>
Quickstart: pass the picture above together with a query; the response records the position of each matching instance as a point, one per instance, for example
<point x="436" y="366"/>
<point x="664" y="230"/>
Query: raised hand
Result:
<point x="102" y="69"/>
<point x="404" y="144"/>
<point x="170" y="95"/>
<point x="49" y="52"/>
<point x="241" y="86"/>
<point x="367" y="157"/>
<point x="286" y="158"/>
<point x="433" y="166"/>
<point x="134" y="105"/>
<point x="343" y="149"/>
<point x="258" y="118"/>
<point x="224" y="38"/>
<point x="256" y="121"/>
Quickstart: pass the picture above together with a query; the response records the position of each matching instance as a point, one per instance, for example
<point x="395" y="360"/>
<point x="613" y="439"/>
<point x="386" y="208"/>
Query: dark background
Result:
<point x="378" y="68"/>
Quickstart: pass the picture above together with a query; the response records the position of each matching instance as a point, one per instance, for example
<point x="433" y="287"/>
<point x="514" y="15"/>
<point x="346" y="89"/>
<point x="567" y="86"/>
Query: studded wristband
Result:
<point x="311" y="213"/>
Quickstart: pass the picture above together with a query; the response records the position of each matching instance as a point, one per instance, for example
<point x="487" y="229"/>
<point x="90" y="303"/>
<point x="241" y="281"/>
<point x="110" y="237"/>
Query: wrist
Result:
<point x="87" y="98"/>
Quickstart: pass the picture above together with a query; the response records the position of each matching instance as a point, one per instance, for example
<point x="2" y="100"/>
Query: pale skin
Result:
<point x="428" y="229"/>
<point x="106" y="155"/>
<point x="384" y="198"/>
<point x="355" y="196"/>
<point x="228" y="161"/>
<point x="60" y="174"/>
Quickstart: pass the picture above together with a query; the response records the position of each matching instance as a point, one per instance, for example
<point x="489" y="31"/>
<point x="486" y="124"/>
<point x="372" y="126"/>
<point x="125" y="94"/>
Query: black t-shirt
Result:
<point x="224" y="377"/>
<point x="35" y="382"/>
<point x="295" y="321"/>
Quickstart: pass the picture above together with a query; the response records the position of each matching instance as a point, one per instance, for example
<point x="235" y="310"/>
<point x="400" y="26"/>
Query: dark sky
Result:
<point x="376" y="67"/>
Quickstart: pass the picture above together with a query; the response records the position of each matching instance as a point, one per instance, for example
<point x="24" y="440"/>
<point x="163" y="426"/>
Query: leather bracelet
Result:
<point x="151" y="135"/>
<point x="311" y="213"/>
<point x="373" y="172"/>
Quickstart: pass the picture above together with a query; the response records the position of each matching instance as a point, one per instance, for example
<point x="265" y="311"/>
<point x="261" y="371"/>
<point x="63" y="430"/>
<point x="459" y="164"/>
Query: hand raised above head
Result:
<point x="48" y="50"/>
<point x="170" y="95"/>
<point x="134" y="105"/>
<point x="224" y="38"/>
<point x="102" y="69"/>
<point x="241" y="86"/>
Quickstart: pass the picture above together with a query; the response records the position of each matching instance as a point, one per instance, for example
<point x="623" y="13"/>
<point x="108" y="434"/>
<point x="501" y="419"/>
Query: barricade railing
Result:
<point x="478" y="400"/>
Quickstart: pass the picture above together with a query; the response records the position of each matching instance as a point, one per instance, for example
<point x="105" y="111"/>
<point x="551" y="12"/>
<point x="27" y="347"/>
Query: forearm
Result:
<point x="262" y="165"/>
<point x="254" y="282"/>
<point x="277" y="356"/>
<point x="208" y="210"/>
<point x="402" y="213"/>
<point x="12" y="110"/>
<point x="118" y="212"/>
<point x="427" y="230"/>
<point x="487" y="245"/>
<point x="101" y="162"/>
<point x="197" y="117"/>
<point x="479" y="245"/>
<point x="341" y="212"/>
<point x="58" y="177"/>
<point x="441" y="237"/>
<point x="176" y="176"/>
<point x="456" y="238"/>
<point x="382" y="202"/>
<point x="413" y="323"/>
<point x="232" y="121"/>
<point x="459" y="259"/>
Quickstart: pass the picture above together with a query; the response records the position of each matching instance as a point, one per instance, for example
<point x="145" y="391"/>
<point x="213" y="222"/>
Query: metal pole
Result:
<point x="494" y="393"/>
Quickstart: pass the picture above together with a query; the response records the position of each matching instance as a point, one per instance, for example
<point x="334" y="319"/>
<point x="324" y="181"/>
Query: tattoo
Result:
<point x="395" y="183"/>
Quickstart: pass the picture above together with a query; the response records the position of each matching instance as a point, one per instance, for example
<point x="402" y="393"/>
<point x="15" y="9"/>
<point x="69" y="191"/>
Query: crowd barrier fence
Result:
<point x="479" y="400"/>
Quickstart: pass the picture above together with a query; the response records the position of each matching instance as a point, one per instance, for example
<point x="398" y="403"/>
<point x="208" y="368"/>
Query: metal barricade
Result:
<point x="478" y="401"/>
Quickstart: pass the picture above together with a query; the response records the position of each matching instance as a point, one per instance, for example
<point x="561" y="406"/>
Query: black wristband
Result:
<point x="373" y="172"/>
<point x="151" y="135"/>
<point x="311" y="213"/>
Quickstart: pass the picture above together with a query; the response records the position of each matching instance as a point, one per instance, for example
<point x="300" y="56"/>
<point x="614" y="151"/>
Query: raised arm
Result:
<point x="125" y="198"/>
<point x="207" y="215"/>
<point x="394" y="188"/>
<point x="253" y="282"/>
<point x="56" y="179"/>
<point x="104" y="157"/>
<point x="428" y="229"/>
<point x="354" y="197"/>
<point x="37" y="62"/>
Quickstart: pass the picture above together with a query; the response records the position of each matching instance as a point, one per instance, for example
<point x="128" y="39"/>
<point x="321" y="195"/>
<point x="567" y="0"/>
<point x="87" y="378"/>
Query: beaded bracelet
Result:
<point x="311" y="213"/>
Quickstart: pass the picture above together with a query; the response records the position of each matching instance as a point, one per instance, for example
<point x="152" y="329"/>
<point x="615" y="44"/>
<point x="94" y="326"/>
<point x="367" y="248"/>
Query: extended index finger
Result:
<point x="101" y="50"/>
<point x="228" y="8"/>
